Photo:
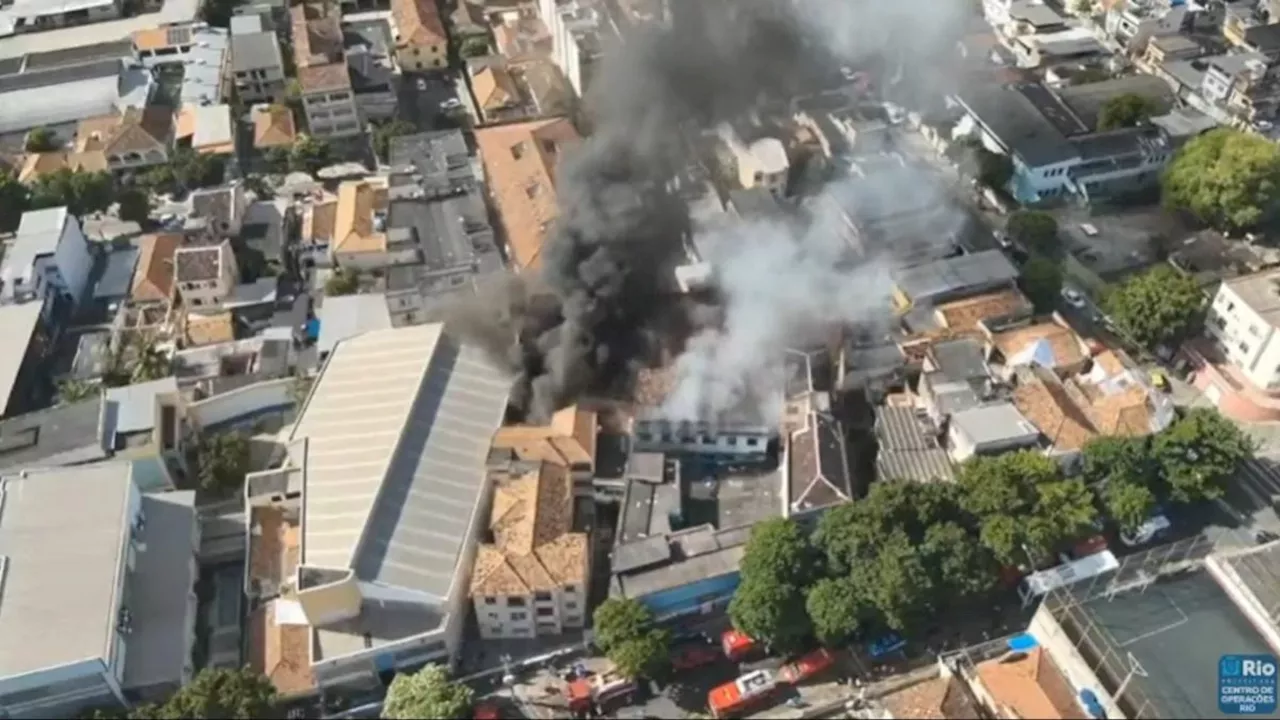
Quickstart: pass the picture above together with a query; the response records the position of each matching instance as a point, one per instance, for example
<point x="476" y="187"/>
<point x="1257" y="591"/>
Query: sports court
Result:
<point x="1176" y="629"/>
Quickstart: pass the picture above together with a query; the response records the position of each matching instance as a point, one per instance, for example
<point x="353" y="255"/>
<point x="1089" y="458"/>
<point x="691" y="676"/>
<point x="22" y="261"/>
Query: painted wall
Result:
<point x="689" y="598"/>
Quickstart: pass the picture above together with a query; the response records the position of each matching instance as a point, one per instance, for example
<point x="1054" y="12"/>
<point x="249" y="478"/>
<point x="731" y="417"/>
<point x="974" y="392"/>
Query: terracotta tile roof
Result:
<point x="653" y="385"/>
<point x="818" y="467"/>
<point x="353" y="230"/>
<point x="1124" y="413"/>
<point x="93" y="133"/>
<point x="520" y="165"/>
<point x="494" y="87"/>
<point x="534" y="548"/>
<point x="568" y="440"/>
<point x="1031" y="686"/>
<point x="281" y="652"/>
<point x="418" y="22"/>
<point x="151" y="38"/>
<point x="273" y="126"/>
<point x="319" y="220"/>
<point x="198" y="264"/>
<point x="1110" y="362"/>
<point x="141" y="130"/>
<point x="153" y="277"/>
<point x="36" y="164"/>
<point x="941" y="698"/>
<point x="1066" y="347"/>
<point x="317" y="47"/>
<point x="1069" y="415"/>
<point x="274" y="552"/>
<point x="966" y="314"/>
<point x="209" y="329"/>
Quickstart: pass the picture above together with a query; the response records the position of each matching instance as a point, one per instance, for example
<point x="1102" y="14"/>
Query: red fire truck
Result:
<point x="732" y="698"/>
<point x="805" y="667"/>
<point x="737" y="645"/>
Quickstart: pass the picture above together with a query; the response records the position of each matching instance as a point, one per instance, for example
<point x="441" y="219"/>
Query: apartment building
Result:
<point x="328" y="100"/>
<point x="1244" y="320"/>
<point x="760" y="163"/>
<point x="577" y="28"/>
<point x="36" y="15"/>
<point x="49" y="258"/>
<point x="257" y="67"/>
<point x="205" y="275"/>
<point x="115" y="622"/>
<point x="532" y="579"/>
<point x="421" y="42"/>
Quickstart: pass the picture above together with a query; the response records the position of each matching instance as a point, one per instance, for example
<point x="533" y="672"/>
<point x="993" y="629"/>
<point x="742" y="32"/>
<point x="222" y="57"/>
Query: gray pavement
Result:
<point x="422" y="107"/>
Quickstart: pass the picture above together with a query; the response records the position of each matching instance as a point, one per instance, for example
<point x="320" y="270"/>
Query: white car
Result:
<point x="422" y="83"/>
<point x="451" y="104"/>
<point x="1073" y="297"/>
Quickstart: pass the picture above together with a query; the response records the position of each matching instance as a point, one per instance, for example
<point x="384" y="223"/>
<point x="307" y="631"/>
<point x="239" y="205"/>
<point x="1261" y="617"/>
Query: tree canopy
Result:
<point x="15" y="198"/>
<point x="135" y="205"/>
<point x="40" y="140"/>
<point x="383" y="134"/>
<point x="428" y="693"/>
<point x="342" y="282"/>
<point x="220" y="693"/>
<point x="1041" y="282"/>
<point x="777" y="566"/>
<point x="1157" y="307"/>
<point x="994" y="169"/>
<point x="1228" y="178"/>
<point x="1127" y="110"/>
<point x="1198" y="453"/>
<point x="836" y="609"/>
<point x="1035" y="230"/>
<point x="222" y="460"/>
<point x="308" y="154"/>
<point x="81" y="191"/>
<point x="625" y="631"/>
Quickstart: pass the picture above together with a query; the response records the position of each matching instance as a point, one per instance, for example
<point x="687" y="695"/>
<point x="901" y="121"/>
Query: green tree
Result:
<point x="299" y="389"/>
<point x="150" y="363"/>
<point x="193" y="170"/>
<point x="474" y="46"/>
<point x="898" y="584"/>
<point x="1128" y="503"/>
<point x="277" y="159"/>
<point x="428" y="693"/>
<point x="994" y="169"/>
<point x="836" y="610"/>
<point x="1198" y="453"/>
<point x="1157" y="307"/>
<point x="222" y="460"/>
<point x="1091" y="74"/>
<point x="1127" y="110"/>
<point x="1036" y="231"/>
<point x="778" y="549"/>
<point x="1041" y="282"/>
<point x="41" y="140"/>
<point x="218" y="12"/>
<point x="308" y="155"/>
<point x="342" y="281"/>
<point x="15" y="199"/>
<point x="960" y="567"/>
<point x="617" y="620"/>
<point x="383" y="134"/>
<point x="73" y="391"/>
<point x="220" y="693"/>
<point x="1109" y="458"/>
<point x="647" y="654"/>
<point x="81" y="191"/>
<point x="1228" y="178"/>
<point x="772" y="612"/>
<point x="135" y="205"/>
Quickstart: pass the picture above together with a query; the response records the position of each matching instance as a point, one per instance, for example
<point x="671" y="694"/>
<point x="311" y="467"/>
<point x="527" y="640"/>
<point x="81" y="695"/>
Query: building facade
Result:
<point x="49" y="257"/>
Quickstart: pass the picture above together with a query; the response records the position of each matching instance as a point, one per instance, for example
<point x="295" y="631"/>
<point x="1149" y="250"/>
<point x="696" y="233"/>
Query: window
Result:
<point x="416" y="52"/>
<point x="519" y="631"/>
<point x="573" y="620"/>
<point x="571" y="606"/>
<point x="493" y="616"/>
<point x="546" y="612"/>
<point x="490" y="600"/>
<point x="733" y="441"/>
<point x="752" y="442"/>
<point x="1244" y="347"/>
<point x="519" y="616"/>
<point x="515" y="602"/>
<point x="542" y="596"/>
<point x="571" y="588"/>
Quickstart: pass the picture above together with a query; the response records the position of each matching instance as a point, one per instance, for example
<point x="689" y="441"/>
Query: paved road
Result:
<point x="422" y="107"/>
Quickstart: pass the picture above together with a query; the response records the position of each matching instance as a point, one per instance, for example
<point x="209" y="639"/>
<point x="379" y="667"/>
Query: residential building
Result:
<point x="1240" y="363"/>
<point x="124" y="602"/>
<point x="817" y="473"/>
<point x="532" y="579"/>
<point x="421" y="43"/>
<point x="222" y="209"/>
<point x="360" y="226"/>
<point x="346" y="316"/>
<point x="758" y="162"/>
<point x="22" y="16"/>
<point x="273" y="127"/>
<point x="952" y="279"/>
<point x="496" y="93"/>
<point x="153" y="275"/>
<point x="257" y="67"/>
<point x="1050" y="49"/>
<point x="205" y="275"/>
<point x="328" y="100"/>
<point x="49" y="258"/>
<point x="206" y="129"/>
<point x="391" y="506"/>
<point x="203" y="52"/>
<point x="519" y="166"/>
<point x="1135" y="24"/>
<point x="372" y="67"/>
<point x="577" y="29"/>
<point x="131" y="141"/>
<point x="989" y="430"/>
<point x="1252" y="29"/>
<point x="738" y="435"/>
<point x="1051" y="344"/>
<point x="1053" y="140"/>
<point x="52" y="96"/>
<point x="31" y="340"/>
<point x="567" y="441"/>
<point x="36" y="165"/>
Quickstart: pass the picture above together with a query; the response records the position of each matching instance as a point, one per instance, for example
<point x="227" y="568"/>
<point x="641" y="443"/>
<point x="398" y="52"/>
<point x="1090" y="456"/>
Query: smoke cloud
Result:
<point x="602" y="302"/>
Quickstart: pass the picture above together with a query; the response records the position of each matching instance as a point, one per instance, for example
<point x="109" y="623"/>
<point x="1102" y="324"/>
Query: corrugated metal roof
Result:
<point x="398" y="430"/>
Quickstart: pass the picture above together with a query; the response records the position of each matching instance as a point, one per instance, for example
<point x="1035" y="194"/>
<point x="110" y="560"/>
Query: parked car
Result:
<point x="689" y="657"/>
<point x="422" y="83"/>
<point x="1073" y="297"/>
<point x="451" y="104"/>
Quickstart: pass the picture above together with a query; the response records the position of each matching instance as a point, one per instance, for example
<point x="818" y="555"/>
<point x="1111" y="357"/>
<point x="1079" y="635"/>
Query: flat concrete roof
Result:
<point x="62" y="540"/>
<point x="17" y="324"/>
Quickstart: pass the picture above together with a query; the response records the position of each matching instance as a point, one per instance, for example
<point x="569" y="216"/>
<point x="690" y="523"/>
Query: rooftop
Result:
<point x="61" y="435"/>
<point x="908" y="450"/>
<point x="568" y="440"/>
<point x="418" y="22"/>
<point x="534" y="547"/>
<point x="1018" y="124"/>
<point x="398" y="427"/>
<point x="198" y="264"/>
<point x="153" y="276"/>
<point x="1052" y="344"/>
<point x="255" y="51"/>
<point x="346" y="316"/>
<point x="74" y="519"/>
<point x="1261" y="292"/>
<point x="318" y="47"/>
<point x="818" y="474"/>
<point x="520" y="164"/>
<point x="66" y="94"/>
<point x="273" y="126"/>
<point x="944" y="279"/>
<point x="1069" y="417"/>
<point x="38" y="234"/>
<point x="993" y="423"/>
<point x="1086" y="100"/>
<point x="941" y="698"/>
<point x="357" y="227"/>
<point x="1029" y="685"/>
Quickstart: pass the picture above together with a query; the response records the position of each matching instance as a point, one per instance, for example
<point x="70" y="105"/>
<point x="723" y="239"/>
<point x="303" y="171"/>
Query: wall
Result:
<point x="332" y="114"/>
<point x="690" y="598"/>
<point x="58" y="692"/>
<point x="1244" y="598"/>
<point x="242" y="404"/>
<point x="73" y="259"/>
<point x="1247" y="338"/>
<point x="1068" y="659"/>
<point x="423" y="58"/>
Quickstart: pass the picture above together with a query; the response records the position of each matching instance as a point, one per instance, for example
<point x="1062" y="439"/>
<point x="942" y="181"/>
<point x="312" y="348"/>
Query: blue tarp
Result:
<point x="1026" y="642"/>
